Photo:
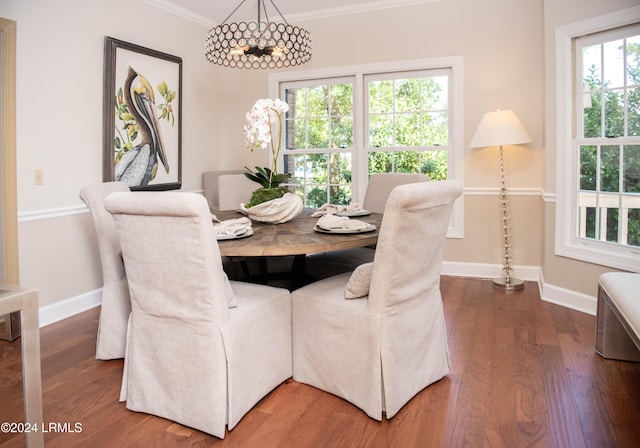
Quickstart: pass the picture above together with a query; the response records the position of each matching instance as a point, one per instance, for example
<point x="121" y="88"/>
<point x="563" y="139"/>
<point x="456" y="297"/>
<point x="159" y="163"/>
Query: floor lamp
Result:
<point x="499" y="128"/>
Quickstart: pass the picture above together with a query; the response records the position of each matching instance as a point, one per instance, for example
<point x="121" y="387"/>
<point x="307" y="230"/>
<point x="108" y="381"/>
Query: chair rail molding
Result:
<point x="495" y="191"/>
<point x="59" y="212"/>
<point x="52" y="213"/>
<point x="549" y="293"/>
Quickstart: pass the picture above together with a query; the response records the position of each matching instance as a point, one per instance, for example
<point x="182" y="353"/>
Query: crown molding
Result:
<point x="179" y="11"/>
<point x="309" y="15"/>
<point x="357" y="9"/>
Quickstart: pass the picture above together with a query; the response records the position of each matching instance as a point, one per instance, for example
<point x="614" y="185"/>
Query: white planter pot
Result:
<point x="275" y="211"/>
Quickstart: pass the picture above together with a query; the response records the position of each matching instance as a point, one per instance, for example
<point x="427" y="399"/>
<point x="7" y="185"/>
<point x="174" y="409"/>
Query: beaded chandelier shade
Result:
<point x="258" y="44"/>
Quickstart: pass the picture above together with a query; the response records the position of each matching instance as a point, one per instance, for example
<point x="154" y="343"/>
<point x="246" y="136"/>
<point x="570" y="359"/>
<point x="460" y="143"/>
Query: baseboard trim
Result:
<point x="549" y="293"/>
<point x="569" y="299"/>
<point x="484" y="270"/>
<point x="58" y="311"/>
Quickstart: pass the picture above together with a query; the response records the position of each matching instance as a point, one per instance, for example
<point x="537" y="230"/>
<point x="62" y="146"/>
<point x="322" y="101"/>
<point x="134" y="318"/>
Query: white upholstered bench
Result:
<point x="618" y="316"/>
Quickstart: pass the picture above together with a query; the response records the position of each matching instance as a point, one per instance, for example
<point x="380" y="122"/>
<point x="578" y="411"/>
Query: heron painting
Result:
<point x="144" y="102"/>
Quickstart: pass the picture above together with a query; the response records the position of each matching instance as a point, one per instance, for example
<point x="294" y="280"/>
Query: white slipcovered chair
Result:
<point x="381" y="184"/>
<point x="327" y="264"/>
<point x="116" y="305"/>
<point x="379" y="350"/>
<point x="201" y="350"/>
<point x="233" y="190"/>
<point x="210" y="186"/>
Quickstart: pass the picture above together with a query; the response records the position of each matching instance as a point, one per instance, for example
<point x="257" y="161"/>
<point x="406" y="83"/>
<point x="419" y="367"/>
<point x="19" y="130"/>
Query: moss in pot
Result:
<point x="270" y="182"/>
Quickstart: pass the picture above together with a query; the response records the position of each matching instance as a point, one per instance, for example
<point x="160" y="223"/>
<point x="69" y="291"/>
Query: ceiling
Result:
<point x="213" y="12"/>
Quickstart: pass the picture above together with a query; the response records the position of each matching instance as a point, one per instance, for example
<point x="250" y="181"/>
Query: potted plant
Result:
<point x="271" y="188"/>
<point x="264" y="117"/>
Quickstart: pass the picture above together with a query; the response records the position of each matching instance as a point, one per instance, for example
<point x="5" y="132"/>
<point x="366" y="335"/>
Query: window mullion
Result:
<point x="622" y="220"/>
<point x="360" y="130"/>
<point x="597" y="194"/>
<point x="603" y="98"/>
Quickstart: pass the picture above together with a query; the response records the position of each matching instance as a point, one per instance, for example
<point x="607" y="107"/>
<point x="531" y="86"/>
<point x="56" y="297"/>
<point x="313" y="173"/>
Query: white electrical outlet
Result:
<point x="38" y="176"/>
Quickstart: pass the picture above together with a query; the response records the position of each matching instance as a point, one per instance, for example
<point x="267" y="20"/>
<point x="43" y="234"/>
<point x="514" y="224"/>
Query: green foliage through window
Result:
<point x="407" y="121"/>
<point x="609" y="196"/>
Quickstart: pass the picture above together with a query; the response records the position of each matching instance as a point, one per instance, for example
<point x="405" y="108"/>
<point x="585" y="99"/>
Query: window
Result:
<point x="599" y="203"/>
<point x="408" y="123"/>
<point x="346" y="123"/>
<point x="319" y="140"/>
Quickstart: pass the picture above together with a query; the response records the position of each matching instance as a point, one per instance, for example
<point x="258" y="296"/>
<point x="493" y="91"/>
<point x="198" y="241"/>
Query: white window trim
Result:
<point x="567" y="244"/>
<point x="456" y="155"/>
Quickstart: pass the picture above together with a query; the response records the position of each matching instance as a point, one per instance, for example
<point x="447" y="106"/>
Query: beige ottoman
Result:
<point x="618" y="316"/>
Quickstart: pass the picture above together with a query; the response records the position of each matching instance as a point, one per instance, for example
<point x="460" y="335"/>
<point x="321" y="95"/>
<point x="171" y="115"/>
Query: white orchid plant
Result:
<point x="265" y="116"/>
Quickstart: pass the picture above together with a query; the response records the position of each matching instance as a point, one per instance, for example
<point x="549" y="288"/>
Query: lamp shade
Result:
<point x="501" y="127"/>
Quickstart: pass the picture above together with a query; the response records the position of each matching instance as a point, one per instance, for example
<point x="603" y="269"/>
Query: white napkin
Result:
<point x="326" y="209"/>
<point x="333" y="222"/>
<point x="236" y="226"/>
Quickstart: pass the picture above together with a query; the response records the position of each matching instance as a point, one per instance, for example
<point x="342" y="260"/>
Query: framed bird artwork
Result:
<point x="142" y="117"/>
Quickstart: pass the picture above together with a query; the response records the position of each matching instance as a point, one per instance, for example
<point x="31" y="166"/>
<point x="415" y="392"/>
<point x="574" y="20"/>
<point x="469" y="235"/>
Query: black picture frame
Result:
<point x="140" y="136"/>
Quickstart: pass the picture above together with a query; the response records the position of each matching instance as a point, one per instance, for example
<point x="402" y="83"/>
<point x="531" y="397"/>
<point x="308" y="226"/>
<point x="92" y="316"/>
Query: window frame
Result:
<point x="330" y="150"/>
<point x="567" y="241"/>
<point x="455" y="159"/>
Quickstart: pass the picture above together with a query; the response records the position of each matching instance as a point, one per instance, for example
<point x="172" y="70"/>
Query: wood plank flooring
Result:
<point x="524" y="373"/>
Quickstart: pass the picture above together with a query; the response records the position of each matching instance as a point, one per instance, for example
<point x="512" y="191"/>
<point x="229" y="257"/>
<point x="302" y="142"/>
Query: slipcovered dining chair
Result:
<point x="381" y="184"/>
<point x="376" y="337"/>
<point x="201" y="350"/>
<point x="234" y="189"/>
<point x="327" y="264"/>
<point x="116" y="305"/>
<point x="210" y="186"/>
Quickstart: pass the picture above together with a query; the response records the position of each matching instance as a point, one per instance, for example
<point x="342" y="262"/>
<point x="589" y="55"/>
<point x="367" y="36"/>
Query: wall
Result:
<point x="500" y="42"/>
<point x="59" y="116"/>
<point x="59" y="124"/>
<point x="501" y="68"/>
<point x="509" y="61"/>
<point x="562" y="272"/>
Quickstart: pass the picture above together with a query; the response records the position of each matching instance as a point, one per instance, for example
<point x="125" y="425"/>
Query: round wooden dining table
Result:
<point x="293" y="238"/>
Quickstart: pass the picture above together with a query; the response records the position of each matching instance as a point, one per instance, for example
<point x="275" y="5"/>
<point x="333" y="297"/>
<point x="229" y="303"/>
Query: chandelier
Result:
<point x="258" y="44"/>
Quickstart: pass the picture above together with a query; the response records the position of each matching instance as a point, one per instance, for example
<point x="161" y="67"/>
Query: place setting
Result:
<point x="350" y="210"/>
<point x="231" y="229"/>
<point x="333" y="223"/>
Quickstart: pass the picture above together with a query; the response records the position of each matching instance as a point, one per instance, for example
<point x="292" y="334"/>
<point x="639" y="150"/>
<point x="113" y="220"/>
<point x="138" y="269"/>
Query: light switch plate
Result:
<point x="38" y="176"/>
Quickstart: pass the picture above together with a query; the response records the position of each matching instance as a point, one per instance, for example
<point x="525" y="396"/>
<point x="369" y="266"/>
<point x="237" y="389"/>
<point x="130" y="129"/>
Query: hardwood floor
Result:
<point x="523" y="373"/>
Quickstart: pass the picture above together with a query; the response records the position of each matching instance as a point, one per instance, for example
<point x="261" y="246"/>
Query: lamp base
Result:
<point x="510" y="284"/>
